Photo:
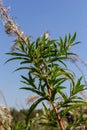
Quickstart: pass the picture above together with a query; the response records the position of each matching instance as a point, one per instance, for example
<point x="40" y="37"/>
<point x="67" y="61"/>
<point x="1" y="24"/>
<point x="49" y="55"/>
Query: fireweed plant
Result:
<point x="48" y="76"/>
<point x="47" y="71"/>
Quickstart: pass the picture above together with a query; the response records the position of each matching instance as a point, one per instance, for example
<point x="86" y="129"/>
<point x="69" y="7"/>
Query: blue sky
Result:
<point x="58" y="17"/>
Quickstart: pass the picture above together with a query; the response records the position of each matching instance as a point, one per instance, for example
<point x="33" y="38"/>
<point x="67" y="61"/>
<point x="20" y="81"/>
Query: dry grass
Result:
<point x="5" y="118"/>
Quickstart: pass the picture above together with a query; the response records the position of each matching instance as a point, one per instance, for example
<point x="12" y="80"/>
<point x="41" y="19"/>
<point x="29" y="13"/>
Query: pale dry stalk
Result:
<point x="32" y="99"/>
<point x="5" y="118"/>
<point x="10" y="26"/>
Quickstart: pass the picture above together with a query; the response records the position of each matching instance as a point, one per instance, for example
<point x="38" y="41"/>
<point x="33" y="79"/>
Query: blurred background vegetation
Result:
<point x="19" y="119"/>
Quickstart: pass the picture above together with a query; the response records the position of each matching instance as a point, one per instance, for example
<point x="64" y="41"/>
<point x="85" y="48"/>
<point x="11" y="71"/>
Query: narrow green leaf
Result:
<point x="61" y="40"/>
<point x="17" y="54"/>
<point x="33" y="106"/>
<point x="65" y="41"/>
<point x="75" y="43"/>
<point x="21" y="68"/>
<point x="73" y="106"/>
<point x="15" y="58"/>
<point x="73" y="38"/>
<point x="63" y="95"/>
<point x="69" y="37"/>
<point x="34" y="90"/>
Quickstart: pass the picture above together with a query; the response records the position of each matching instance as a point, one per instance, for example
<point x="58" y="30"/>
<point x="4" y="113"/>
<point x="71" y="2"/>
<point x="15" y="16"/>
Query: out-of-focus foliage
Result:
<point x="73" y="119"/>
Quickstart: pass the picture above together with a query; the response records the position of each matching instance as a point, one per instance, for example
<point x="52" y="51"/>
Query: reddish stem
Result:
<point x="58" y="116"/>
<point x="56" y="111"/>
